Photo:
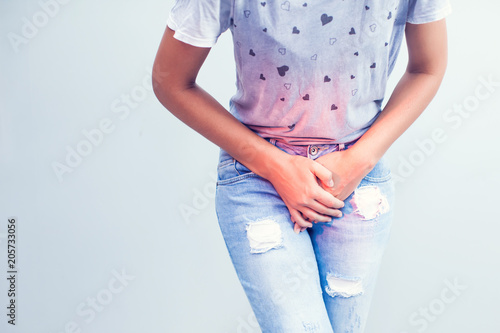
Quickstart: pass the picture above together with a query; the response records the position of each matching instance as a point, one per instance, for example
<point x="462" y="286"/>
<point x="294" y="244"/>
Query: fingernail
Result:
<point x="330" y="183"/>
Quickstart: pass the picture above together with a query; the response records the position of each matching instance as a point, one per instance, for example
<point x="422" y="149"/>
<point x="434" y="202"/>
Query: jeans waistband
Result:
<point x="311" y="151"/>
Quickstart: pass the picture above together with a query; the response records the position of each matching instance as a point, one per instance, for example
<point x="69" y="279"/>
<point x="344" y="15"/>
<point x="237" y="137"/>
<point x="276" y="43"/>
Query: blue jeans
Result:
<point x="321" y="280"/>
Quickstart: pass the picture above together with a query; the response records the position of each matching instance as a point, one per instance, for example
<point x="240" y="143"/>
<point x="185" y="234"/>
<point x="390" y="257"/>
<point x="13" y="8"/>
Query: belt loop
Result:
<point x="341" y="146"/>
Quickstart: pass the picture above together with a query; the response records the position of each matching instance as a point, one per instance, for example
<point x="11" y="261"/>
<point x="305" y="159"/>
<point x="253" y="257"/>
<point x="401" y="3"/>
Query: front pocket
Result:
<point x="232" y="171"/>
<point x="241" y="169"/>
<point x="381" y="172"/>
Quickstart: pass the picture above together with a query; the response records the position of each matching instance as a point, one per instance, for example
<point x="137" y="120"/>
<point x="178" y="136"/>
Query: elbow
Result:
<point x="168" y="87"/>
<point x="162" y="87"/>
<point x="435" y="67"/>
<point x="434" y="72"/>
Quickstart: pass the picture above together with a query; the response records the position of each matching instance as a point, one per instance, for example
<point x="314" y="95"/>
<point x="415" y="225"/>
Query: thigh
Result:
<point x="276" y="267"/>
<point x="349" y="249"/>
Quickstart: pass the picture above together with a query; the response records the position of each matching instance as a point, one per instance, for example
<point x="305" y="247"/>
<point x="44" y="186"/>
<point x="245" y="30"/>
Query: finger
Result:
<point x="297" y="228"/>
<point x="313" y="215"/>
<point x="328" y="200"/>
<point x="322" y="210"/>
<point x="298" y="219"/>
<point x="322" y="172"/>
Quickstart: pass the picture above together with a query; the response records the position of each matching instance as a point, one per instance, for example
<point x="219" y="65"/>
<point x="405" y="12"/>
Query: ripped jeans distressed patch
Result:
<point x="321" y="280"/>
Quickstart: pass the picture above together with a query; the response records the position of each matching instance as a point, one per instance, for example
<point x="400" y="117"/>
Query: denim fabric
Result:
<point x="321" y="280"/>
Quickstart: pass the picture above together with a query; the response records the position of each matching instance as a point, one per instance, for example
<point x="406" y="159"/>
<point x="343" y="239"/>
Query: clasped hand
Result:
<point x="304" y="186"/>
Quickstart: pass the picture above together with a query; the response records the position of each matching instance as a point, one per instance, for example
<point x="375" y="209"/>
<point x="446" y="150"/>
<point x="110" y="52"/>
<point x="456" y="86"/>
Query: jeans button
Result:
<point x="313" y="150"/>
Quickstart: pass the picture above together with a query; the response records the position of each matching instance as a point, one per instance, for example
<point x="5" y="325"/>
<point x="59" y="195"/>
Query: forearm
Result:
<point x="200" y="111"/>
<point x="409" y="99"/>
<point x="427" y="61"/>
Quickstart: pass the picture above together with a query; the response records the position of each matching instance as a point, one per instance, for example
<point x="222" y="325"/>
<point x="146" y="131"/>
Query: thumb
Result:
<point x="325" y="175"/>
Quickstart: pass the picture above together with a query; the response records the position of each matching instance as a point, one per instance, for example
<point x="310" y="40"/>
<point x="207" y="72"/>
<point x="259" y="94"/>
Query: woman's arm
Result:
<point x="428" y="53"/>
<point x="294" y="177"/>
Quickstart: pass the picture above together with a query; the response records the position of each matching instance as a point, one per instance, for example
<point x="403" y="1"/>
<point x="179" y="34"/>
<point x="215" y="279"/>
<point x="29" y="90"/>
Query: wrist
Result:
<point x="270" y="161"/>
<point x="364" y="159"/>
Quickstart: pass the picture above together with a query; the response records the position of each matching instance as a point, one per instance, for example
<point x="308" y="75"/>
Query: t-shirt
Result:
<point x="307" y="71"/>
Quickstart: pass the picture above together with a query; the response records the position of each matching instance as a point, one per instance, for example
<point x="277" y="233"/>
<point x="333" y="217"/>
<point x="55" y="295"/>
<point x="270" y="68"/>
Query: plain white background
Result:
<point x="117" y="211"/>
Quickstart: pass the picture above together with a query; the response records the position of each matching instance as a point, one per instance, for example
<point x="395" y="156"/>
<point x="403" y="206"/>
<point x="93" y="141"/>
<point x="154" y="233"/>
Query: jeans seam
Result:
<point x="224" y="163"/>
<point x="236" y="178"/>
<point x="379" y="179"/>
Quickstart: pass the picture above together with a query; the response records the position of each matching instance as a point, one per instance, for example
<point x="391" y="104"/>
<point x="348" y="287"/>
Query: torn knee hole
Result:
<point x="311" y="327"/>
<point x="369" y="202"/>
<point x="264" y="235"/>
<point x="343" y="287"/>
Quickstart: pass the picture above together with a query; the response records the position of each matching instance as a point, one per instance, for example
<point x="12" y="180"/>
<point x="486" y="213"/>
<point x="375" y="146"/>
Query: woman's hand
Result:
<point x="296" y="181"/>
<point x="348" y="170"/>
<point x="295" y="178"/>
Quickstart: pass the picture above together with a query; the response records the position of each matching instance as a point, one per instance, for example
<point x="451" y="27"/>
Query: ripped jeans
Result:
<point x="321" y="280"/>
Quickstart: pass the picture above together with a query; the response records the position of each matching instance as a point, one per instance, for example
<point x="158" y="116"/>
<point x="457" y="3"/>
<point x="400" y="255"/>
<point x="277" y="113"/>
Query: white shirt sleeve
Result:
<point x="199" y="22"/>
<point x="424" y="11"/>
